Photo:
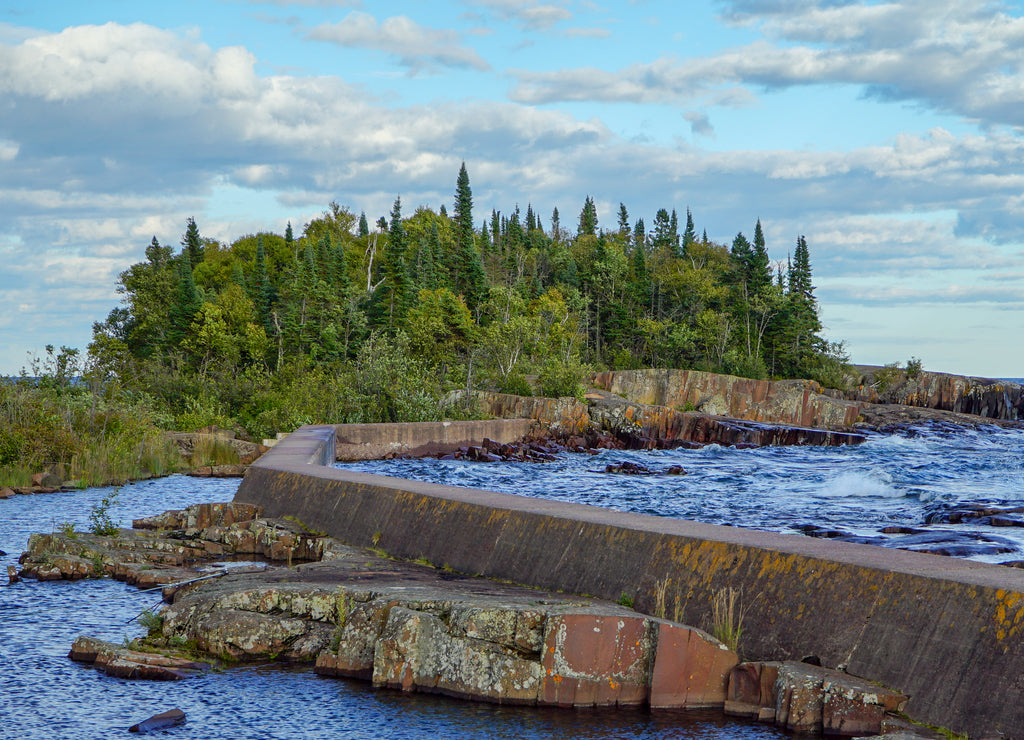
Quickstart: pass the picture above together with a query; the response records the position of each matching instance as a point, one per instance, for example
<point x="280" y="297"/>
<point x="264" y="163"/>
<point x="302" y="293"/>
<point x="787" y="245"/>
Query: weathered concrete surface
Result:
<point x="944" y="631"/>
<point x="371" y="442"/>
<point x="797" y="402"/>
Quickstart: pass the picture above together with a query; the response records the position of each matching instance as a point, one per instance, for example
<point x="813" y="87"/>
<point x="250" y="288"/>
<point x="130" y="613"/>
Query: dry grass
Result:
<point x="727" y="617"/>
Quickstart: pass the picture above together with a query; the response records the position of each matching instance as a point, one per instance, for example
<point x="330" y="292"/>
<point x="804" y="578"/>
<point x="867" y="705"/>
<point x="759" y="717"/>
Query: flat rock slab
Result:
<point x="418" y="628"/>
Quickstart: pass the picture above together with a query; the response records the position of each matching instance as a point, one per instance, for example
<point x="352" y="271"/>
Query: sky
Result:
<point x="889" y="134"/>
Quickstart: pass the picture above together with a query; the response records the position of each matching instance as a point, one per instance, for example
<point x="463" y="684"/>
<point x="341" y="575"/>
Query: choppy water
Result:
<point x="887" y="481"/>
<point x="45" y="695"/>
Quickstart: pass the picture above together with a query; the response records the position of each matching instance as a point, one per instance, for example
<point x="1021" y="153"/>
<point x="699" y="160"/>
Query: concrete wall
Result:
<point x="945" y="631"/>
<point x="377" y="441"/>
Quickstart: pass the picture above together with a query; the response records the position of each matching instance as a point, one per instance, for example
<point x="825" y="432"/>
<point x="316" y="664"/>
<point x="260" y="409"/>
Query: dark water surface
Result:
<point x="45" y="695"/>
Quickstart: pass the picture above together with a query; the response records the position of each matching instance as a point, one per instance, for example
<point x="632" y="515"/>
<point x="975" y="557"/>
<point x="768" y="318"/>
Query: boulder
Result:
<point x="46" y="480"/>
<point x="6" y="491"/>
<point x="170" y="718"/>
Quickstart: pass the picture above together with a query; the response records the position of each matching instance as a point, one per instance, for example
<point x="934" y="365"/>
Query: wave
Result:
<point x="860" y="484"/>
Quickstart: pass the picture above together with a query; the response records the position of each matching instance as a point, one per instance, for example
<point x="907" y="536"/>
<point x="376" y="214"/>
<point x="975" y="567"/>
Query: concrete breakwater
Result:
<point x="945" y="632"/>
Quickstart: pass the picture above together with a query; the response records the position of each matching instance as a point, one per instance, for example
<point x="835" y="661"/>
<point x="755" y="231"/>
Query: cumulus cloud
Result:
<point x="416" y="47"/>
<point x="700" y="124"/>
<point x="955" y="56"/>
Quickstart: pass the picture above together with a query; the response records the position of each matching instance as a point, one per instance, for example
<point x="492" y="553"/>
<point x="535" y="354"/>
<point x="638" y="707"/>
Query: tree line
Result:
<point x="352" y="322"/>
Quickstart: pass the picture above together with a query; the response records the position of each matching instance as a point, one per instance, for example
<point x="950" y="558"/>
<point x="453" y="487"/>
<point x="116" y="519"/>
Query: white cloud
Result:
<point x="529" y="14"/>
<point x="955" y="56"/>
<point x="417" y="47"/>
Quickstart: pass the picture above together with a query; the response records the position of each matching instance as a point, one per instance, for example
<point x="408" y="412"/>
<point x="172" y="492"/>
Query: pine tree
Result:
<point x="289" y="237"/>
<point x="192" y="243"/>
<point x="364" y="226"/>
<point x="556" y="226"/>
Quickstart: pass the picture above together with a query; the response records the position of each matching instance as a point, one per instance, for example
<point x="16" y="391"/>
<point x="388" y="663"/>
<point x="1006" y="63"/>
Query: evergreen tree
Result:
<point x="588" y="219"/>
<point x="741" y="255"/>
<point x="531" y="220"/>
<point x="186" y="303"/>
<point x="673" y="233"/>
<point x="192" y="243"/>
<point x="556" y="226"/>
<point x="470" y="281"/>
<point x="623" y="221"/>
<point x="640" y="235"/>
<point x="289" y="238"/>
<point x="662" y="240"/>
<point x="760" y="265"/>
<point x="689" y="236"/>
<point x="364" y="226"/>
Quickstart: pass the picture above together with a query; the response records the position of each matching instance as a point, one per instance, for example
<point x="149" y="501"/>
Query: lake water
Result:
<point x="45" y="695"/>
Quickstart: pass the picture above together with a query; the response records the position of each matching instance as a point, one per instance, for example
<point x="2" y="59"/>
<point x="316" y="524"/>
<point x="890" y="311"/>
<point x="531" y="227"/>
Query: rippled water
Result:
<point x="45" y="695"/>
<point x="887" y="481"/>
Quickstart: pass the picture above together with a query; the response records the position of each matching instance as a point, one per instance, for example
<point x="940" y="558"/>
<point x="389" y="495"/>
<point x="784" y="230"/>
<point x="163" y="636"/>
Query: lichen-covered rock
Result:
<point x="416" y="652"/>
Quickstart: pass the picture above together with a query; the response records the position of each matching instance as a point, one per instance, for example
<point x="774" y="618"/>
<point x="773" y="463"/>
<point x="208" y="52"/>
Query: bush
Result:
<point x="558" y="379"/>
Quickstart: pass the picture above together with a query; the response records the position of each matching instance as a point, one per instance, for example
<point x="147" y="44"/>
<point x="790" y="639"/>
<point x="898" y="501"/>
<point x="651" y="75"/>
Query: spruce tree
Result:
<point x="192" y="243"/>
<point x="760" y="264"/>
<point x="470" y="281"/>
<point x="689" y="235"/>
<point x="186" y="303"/>
<point x="364" y="226"/>
<point x="588" y="219"/>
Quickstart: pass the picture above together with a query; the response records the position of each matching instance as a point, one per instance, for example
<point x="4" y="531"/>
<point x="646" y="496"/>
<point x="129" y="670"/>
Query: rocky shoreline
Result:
<point x="414" y="626"/>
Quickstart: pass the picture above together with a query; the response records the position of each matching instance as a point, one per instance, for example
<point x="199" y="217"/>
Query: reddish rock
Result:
<point x="596" y="661"/>
<point x="752" y="688"/>
<point x="691" y="669"/>
<point x="853" y="706"/>
<point x="46" y="480"/>
<point x="6" y="492"/>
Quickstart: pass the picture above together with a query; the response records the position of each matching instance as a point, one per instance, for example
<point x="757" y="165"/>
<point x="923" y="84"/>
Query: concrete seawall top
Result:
<point x="945" y="631"/>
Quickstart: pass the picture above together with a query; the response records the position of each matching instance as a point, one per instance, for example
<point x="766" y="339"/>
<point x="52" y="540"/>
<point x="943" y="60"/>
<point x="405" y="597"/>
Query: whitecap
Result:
<point x="860" y="484"/>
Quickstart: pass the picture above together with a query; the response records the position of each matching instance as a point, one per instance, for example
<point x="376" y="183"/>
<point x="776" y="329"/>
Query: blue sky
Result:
<point x="889" y="134"/>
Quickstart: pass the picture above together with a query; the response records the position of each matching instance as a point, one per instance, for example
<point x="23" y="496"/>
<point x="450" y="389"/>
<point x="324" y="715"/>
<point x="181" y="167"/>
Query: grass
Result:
<point x="727" y="617"/>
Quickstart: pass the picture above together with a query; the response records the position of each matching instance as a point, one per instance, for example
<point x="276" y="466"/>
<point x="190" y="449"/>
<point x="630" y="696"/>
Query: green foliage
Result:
<point x="887" y="376"/>
<point x="625" y="600"/>
<point x="913" y="367"/>
<point x="100" y="522"/>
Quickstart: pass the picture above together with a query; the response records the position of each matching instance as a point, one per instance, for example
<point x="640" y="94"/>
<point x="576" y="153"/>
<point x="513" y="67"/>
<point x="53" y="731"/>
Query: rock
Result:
<point x="691" y="669"/>
<point x="46" y="480"/>
<point x="593" y="660"/>
<point x="12" y="575"/>
<point x="170" y="718"/>
<point x="122" y="662"/>
<point x="6" y="491"/>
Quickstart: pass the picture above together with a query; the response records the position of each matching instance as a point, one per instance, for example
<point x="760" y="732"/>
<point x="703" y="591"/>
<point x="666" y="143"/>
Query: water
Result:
<point x="45" y="695"/>
<point x="887" y="481"/>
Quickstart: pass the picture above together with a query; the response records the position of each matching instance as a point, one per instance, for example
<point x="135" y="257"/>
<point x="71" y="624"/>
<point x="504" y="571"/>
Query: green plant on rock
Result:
<point x="625" y="600"/>
<point x="100" y="522"/>
<point x="67" y="529"/>
<point x="913" y="367"/>
<point x="727" y="617"/>
<point x="152" y="621"/>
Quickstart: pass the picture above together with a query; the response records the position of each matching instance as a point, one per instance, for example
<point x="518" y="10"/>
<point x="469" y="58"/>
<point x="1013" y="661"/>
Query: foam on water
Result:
<point x="861" y="484"/>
